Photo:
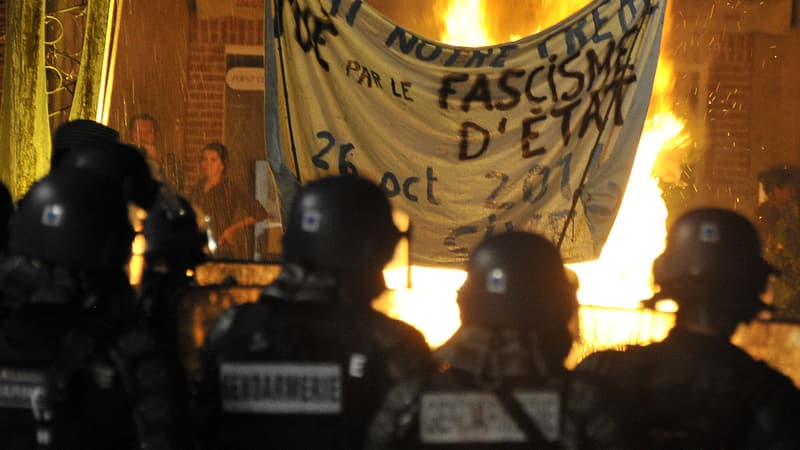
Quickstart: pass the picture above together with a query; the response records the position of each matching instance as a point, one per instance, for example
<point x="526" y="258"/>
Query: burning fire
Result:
<point x="465" y="24"/>
<point x="639" y="232"/>
<point x="613" y="284"/>
<point x="430" y="305"/>
<point x="465" y="21"/>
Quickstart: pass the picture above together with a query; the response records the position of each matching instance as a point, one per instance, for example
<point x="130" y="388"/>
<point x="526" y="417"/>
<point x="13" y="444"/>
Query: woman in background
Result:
<point x="229" y="212"/>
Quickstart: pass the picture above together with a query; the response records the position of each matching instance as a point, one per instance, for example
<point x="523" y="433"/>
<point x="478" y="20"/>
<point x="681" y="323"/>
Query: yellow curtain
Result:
<point x="24" y="124"/>
<point x="94" y="77"/>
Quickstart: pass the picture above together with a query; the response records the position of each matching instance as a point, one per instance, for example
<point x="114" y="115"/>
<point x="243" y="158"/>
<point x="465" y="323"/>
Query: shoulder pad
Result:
<point x="602" y="362"/>
<point x="392" y="333"/>
<point x="408" y="354"/>
<point x="222" y="325"/>
<point x="242" y="317"/>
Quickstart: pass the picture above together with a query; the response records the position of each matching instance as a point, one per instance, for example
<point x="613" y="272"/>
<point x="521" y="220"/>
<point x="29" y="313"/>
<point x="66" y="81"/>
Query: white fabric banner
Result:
<point x="474" y="141"/>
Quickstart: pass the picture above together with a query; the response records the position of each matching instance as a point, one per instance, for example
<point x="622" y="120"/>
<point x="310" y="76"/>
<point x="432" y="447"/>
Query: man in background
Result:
<point x="143" y="132"/>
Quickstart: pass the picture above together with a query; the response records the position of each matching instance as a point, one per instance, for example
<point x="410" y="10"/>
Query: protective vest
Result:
<point x="163" y="305"/>
<point x="68" y="381"/>
<point x="697" y="391"/>
<point x="490" y="392"/>
<point x="300" y="375"/>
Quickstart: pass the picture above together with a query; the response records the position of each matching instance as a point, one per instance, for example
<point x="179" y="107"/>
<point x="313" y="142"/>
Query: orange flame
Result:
<point x="621" y="276"/>
<point x="465" y="25"/>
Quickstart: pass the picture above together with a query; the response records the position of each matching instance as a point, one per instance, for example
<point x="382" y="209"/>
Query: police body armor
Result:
<point x="701" y="392"/>
<point x="174" y="248"/>
<point x="695" y="389"/>
<point x="163" y="309"/>
<point x="490" y="392"/>
<point x="74" y="378"/>
<point x="301" y="370"/>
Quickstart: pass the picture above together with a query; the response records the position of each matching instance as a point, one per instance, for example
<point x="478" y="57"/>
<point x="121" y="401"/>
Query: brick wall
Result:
<point x="721" y="123"/>
<point x="205" y="104"/>
<point x="730" y="90"/>
<point x="739" y="50"/>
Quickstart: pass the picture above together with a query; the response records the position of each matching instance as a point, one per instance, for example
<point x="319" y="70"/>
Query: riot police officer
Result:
<point x="88" y="145"/>
<point x="695" y="389"/>
<point x="119" y="162"/>
<point x="174" y="247"/>
<point x="74" y="372"/>
<point x="306" y="366"/>
<point x="500" y="380"/>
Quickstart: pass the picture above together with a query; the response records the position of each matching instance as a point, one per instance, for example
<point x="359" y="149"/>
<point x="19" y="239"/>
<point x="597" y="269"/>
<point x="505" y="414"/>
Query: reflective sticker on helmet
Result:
<point x="709" y="232"/>
<point x="311" y="221"/>
<point x="52" y="215"/>
<point x="496" y="281"/>
<point x="544" y="407"/>
<point x="266" y="388"/>
<point x="465" y="417"/>
<point x="20" y="388"/>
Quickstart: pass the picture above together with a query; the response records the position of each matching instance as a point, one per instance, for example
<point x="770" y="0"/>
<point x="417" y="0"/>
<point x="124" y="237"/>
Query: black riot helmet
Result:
<point x="6" y="210"/>
<point x="74" y="219"/>
<point x="173" y="236"/>
<point x="517" y="279"/>
<point x="712" y="250"/>
<point x="342" y="224"/>
<point x="121" y="162"/>
<point x="77" y="133"/>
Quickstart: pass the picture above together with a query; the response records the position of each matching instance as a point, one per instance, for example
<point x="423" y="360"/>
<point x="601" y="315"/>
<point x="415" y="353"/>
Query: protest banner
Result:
<point x="537" y="134"/>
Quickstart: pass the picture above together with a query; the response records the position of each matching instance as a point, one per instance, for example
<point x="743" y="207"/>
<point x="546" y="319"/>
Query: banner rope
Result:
<point x="278" y="4"/>
<point x="576" y="195"/>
